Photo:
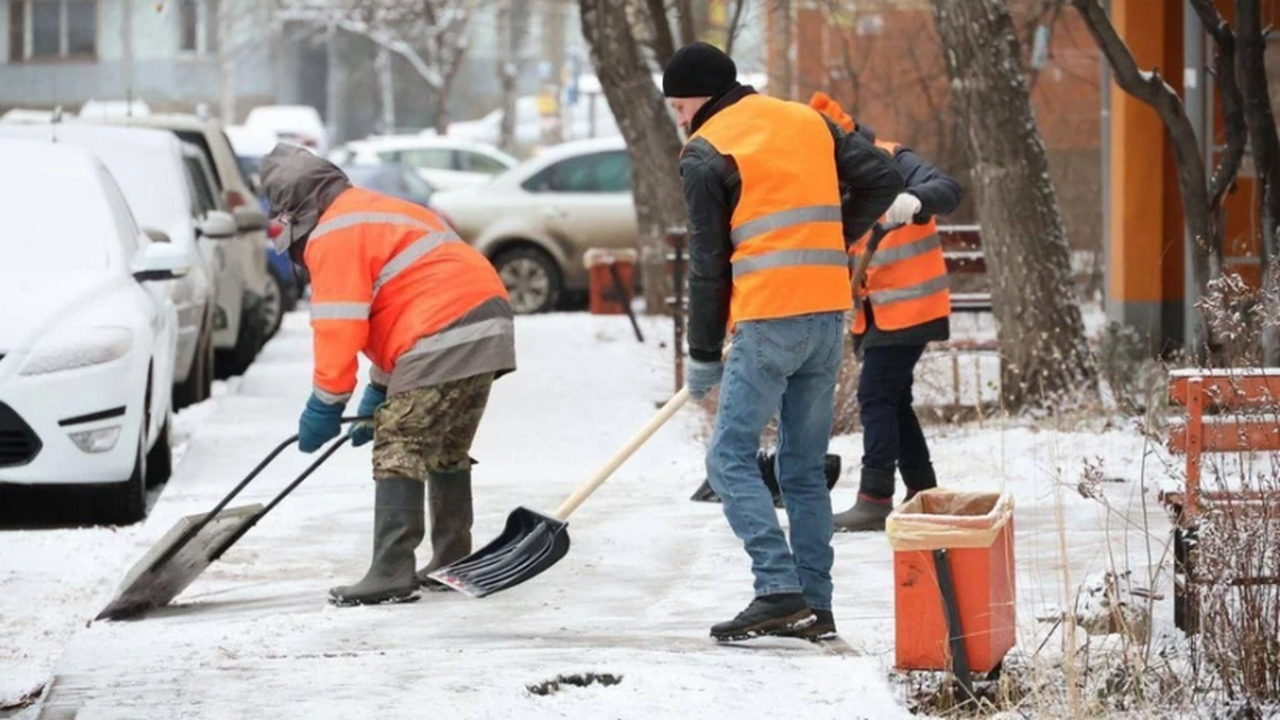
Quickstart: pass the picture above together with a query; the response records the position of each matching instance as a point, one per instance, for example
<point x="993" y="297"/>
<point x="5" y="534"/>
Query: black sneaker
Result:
<point x="824" y="628"/>
<point x="766" y="615"/>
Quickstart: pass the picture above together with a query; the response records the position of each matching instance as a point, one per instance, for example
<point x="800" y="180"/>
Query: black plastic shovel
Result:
<point x="196" y="541"/>
<point x="531" y="542"/>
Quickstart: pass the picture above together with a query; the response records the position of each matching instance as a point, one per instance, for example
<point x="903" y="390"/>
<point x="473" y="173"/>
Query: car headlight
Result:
<point x="82" y="347"/>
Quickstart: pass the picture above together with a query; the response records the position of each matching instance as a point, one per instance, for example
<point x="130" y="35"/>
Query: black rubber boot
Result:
<point x="449" y="502"/>
<point x="918" y="478"/>
<point x="397" y="532"/>
<point x="824" y="628"/>
<point x="875" y="502"/>
<point x="776" y="614"/>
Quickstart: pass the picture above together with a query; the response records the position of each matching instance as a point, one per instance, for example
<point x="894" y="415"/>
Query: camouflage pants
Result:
<point x="429" y="429"/>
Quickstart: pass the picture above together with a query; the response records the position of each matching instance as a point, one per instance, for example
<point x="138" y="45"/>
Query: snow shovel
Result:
<point x="531" y="542"/>
<point x="196" y="541"/>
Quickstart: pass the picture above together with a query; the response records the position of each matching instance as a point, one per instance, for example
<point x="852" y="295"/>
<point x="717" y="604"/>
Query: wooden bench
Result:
<point x="962" y="248"/>
<point x="1227" y="411"/>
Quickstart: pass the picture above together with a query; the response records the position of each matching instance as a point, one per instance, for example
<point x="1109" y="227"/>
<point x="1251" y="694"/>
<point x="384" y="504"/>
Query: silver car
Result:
<point x="536" y="221"/>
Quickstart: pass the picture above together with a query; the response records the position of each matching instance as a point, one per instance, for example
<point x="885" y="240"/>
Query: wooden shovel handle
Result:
<point x="584" y="491"/>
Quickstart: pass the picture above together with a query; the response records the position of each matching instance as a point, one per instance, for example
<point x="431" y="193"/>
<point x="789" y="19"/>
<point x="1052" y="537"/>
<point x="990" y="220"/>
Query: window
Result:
<point x="52" y="29"/>
<point x="200" y="185"/>
<point x="480" y="163"/>
<point x="597" y="173"/>
<point x="130" y="237"/>
<point x="429" y="158"/>
<point x="198" y="26"/>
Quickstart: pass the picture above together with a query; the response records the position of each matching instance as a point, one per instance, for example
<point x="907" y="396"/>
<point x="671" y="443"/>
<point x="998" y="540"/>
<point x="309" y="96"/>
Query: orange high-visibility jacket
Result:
<point x="906" y="283"/>
<point x="391" y="279"/>
<point x="788" y="240"/>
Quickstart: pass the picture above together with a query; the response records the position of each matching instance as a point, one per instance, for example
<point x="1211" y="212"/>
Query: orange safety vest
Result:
<point x="391" y="279"/>
<point x="906" y="282"/>
<point x="788" y="240"/>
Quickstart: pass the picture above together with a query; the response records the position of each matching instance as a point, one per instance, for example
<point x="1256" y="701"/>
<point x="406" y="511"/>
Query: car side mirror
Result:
<point x="157" y="236"/>
<point x="249" y="218"/>
<point x="218" y="225"/>
<point x="161" y="261"/>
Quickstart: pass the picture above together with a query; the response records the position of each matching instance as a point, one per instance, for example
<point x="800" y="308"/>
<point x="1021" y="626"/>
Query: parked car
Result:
<point x="391" y="179"/>
<point x="445" y="163"/>
<point x="87" y="345"/>
<point x="150" y="167"/>
<point x="536" y="221"/>
<point x="251" y="144"/>
<point x="300" y="124"/>
<point x="249" y="303"/>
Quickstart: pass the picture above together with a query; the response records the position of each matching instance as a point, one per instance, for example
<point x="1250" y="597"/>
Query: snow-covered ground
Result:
<point x="648" y="572"/>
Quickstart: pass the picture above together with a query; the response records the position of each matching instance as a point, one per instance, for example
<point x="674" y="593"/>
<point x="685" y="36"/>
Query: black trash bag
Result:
<point x="830" y="467"/>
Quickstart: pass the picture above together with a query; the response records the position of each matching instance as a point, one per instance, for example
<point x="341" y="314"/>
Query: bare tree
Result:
<point x="652" y="141"/>
<point x="780" y="70"/>
<point x="735" y="24"/>
<point x="1266" y="157"/>
<point x="1201" y="198"/>
<point x="431" y="35"/>
<point x="664" y="42"/>
<point x="513" y="30"/>
<point x="1046" y="359"/>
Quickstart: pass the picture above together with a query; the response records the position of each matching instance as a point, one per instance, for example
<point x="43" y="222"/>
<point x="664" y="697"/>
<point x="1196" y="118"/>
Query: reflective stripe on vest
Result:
<point x="910" y="292"/>
<point x="325" y="396"/>
<point x="353" y="219"/>
<point x="789" y="258"/>
<point x="339" y="311"/>
<point x="786" y="229"/>
<point x="461" y="335"/>
<point x="406" y="257"/>
<point x="784" y="219"/>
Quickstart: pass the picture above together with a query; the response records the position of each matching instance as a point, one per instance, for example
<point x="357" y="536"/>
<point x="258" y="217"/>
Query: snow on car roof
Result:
<point x="52" y="157"/>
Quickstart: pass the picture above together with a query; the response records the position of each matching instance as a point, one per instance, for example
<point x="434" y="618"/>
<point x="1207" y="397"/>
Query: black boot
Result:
<point x="822" y="629"/>
<point x="875" y="502"/>
<point x="766" y="615"/>
<point x="397" y="532"/>
<point x="449" y="502"/>
<point x="918" y="478"/>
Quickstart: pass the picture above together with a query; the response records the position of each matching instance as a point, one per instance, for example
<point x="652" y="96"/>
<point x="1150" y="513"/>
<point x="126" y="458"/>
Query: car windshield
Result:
<point x="154" y="187"/>
<point x="40" y="235"/>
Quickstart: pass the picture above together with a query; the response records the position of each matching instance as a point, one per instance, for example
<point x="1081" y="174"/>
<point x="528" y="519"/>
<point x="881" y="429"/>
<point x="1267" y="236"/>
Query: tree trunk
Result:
<point x="1046" y="360"/>
<point x="507" y="75"/>
<point x="652" y="141"/>
<point x="664" y="42"/>
<point x="384" y="68"/>
<point x="779" y="49"/>
<point x="1266" y="160"/>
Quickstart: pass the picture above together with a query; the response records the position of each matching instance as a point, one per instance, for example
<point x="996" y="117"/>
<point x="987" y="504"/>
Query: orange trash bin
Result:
<point x="601" y="265"/>
<point x="976" y="530"/>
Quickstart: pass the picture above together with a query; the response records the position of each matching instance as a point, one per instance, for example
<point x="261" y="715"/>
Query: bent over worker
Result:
<point x="906" y="303"/>
<point x="767" y="235"/>
<point x="391" y="279"/>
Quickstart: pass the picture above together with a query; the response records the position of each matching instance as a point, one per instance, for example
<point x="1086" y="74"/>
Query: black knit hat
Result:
<point x="699" y="70"/>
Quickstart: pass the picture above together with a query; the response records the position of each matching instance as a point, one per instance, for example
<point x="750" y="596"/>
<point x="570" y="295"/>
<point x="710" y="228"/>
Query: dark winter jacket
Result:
<point x="869" y="181"/>
<point x="939" y="194"/>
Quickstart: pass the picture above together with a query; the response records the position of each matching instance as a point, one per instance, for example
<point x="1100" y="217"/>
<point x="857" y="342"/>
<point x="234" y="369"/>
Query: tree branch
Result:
<point x="1224" y="71"/>
<point x="664" y="43"/>
<point x="731" y="33"/>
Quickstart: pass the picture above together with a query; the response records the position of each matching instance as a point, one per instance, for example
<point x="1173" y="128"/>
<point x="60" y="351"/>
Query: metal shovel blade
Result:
<point x="529" y="544"/>
<point x="176" y="561"/>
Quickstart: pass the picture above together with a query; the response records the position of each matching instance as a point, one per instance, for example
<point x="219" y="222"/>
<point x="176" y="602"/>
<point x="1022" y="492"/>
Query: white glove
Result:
<point x="903" y="209"/>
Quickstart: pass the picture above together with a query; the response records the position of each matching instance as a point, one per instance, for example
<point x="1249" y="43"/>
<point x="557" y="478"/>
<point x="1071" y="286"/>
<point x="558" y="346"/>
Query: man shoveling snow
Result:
<point x="392" y="280"/>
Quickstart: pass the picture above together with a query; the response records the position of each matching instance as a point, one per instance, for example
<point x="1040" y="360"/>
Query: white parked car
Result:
<point x="536" y="221"/>
<point x="87" y="345"/>
<point x="445" y="163"/>
<point x="300" y="124"/>
<point x="150" y="167"/>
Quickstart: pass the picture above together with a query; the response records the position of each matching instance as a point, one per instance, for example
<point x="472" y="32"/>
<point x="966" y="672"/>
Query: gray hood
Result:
<point x="301" y="184"/>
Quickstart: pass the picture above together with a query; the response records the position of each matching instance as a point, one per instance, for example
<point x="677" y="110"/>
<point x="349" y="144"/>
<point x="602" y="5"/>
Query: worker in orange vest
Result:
<point x="768" y="235"/>
<point x="905" y="305"/>
<point x="391" y="280"/>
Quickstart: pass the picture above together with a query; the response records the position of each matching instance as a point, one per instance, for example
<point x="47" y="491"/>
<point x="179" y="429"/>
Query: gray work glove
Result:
<point x="700" y="376"/>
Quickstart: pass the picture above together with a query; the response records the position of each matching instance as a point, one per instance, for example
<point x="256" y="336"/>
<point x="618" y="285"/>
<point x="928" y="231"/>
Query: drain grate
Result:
<point x="550" y="687"/>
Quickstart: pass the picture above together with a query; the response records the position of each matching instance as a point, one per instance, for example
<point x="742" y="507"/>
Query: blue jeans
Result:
<point x="786" y="366"/>
<point x="891" y="434"/>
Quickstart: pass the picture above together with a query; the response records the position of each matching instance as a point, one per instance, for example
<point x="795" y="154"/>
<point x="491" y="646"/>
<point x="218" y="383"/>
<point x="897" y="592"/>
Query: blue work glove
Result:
<point x="362" y="432"/>
<point x="700" y="376"/>
<point x="320" y="423"/>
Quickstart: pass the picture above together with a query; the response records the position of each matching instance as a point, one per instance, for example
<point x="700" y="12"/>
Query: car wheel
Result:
<point x="272" y="305"/>
<point x="126" y="502"/>
<point x="248" y="341"/>
<point x="531" y="277"/>
<point x="207" y="361"/>
<point x="199" y="382"/>
<point x="160" y="458"/>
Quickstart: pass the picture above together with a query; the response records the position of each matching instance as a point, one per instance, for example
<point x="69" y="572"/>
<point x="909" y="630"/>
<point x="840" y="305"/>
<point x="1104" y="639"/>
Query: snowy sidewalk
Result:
<point x="648" y="572"/>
